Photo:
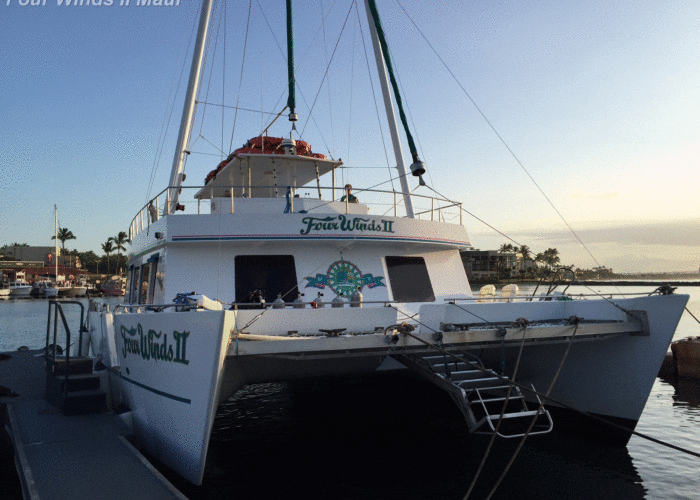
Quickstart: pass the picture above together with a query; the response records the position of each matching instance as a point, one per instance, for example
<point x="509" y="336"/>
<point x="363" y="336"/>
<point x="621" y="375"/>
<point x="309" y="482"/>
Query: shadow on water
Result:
<point x="387" y="436"/>
<point x="687" y="393"/>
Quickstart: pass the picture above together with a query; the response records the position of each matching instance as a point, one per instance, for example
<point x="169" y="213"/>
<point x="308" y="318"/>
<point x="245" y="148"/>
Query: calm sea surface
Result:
<point x="392" y="437"/>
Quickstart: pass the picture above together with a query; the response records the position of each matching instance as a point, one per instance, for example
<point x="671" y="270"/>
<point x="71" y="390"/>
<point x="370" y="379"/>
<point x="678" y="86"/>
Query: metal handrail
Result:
<point x="142" y="219"/>
<point x="254" y="305"/>
<point x="58" y="308"/>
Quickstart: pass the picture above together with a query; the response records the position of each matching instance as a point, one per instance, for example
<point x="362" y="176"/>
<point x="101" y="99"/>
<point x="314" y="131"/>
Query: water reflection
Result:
<point x="385" y="437"/>
<point x="687" y="394"/>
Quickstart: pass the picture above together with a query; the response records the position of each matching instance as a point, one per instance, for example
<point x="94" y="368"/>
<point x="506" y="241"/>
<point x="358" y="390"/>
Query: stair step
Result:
<point x="519" y="414"/>
<point x="468" y="375"/>
<point x="491" y="400"/>
<point x="480" y="383"/>
<point x="82" y="402"/>
<point x="80" y="382"/>
<point x="440" y="367"/>
<point x="77" y="365"/>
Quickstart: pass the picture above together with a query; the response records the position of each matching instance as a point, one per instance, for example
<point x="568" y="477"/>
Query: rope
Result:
<point x="559" y="403"/>
<point x="688" y="311"/>
<point x="575" y="320"/>
<point x="500" y="418"/>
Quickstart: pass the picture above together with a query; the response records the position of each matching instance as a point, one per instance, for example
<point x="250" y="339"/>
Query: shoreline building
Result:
<point x="489" y="264"/>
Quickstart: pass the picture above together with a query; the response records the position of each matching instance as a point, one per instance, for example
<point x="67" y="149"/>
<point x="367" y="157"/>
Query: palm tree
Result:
<point x="108" y="248"/>
<point x="551" y="257"/>
<point x="119" y="241"/>
<point x="64" y="234"/>
<point x="505" y="248"/>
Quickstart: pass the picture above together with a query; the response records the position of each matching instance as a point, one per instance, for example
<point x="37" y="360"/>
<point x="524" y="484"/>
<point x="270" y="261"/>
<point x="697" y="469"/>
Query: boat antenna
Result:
<point x="291" y="100"/>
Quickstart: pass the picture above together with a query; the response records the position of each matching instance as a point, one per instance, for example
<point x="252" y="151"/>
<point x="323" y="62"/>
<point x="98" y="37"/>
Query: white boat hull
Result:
<point x="174" y="368"/>
<point x="169" y="369"/>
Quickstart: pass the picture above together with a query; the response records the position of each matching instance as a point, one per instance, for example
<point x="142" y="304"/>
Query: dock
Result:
<point x="84" y="456"/>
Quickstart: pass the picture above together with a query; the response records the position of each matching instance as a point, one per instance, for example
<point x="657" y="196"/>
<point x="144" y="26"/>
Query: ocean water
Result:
<point x="394" y="437"/>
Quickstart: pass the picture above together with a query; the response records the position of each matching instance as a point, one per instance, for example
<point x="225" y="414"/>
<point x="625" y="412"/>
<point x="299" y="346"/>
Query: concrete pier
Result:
<point x="69" y="457"/>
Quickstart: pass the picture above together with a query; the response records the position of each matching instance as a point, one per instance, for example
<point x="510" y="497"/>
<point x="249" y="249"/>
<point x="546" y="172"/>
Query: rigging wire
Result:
<point x="325" y="74"/>
<point x="374" y="97"/>
<point x="297" y="80"/>
<point x="166" y="124"/>
<point x="223" y="83"/>
<point x="512" y="153"/>
<point x="548" y="398"/>
<point x="239" y="108"/>
<point x="211" y="72"/>
<point x="328" y="83"/>
<point x="410" y="116"/>
<point x="240" y="79"/>
<point x="352" y="81"/>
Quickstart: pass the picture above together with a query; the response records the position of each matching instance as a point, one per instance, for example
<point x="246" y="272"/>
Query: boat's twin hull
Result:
<point x="173" y="368"/>
<point x="169" y="371"/>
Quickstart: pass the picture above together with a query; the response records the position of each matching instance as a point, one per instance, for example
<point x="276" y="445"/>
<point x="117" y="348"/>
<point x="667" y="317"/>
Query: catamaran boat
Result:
<point x="258" y="285"/>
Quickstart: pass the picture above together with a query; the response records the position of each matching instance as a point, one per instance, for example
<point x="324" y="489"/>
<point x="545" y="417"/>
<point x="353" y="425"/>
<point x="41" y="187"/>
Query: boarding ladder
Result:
<point x="71" y="383"/>
<point x="480" y="394"/>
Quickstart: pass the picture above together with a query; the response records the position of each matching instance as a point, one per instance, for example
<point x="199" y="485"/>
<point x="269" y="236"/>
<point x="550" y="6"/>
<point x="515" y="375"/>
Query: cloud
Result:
<point x="667" y="233"/>
<point x="658" y="246"/>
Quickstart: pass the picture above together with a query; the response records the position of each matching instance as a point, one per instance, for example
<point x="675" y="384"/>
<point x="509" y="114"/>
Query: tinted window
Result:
<point x="143" y="289"/>
<point x="271" y="274"/>
<point x="409" y="279"/>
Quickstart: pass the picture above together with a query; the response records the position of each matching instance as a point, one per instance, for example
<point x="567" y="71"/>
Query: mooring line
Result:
<point x="563" y="405"/>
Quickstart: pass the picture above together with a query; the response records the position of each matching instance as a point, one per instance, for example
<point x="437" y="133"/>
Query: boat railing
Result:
<point x="252" y="305"/>
<point x="52" y="348"/>
<point x="379" y="202"/>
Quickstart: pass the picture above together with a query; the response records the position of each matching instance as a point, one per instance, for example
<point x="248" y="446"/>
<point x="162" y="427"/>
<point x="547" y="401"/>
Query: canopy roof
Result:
<point x="262" y="172"/>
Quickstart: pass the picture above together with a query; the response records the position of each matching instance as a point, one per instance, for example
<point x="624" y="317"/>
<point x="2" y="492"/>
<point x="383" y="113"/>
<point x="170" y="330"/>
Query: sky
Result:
<point x="537" y="116"/>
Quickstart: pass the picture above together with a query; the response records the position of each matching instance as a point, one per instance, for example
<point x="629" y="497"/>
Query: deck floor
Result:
<point x="70" y="457"/>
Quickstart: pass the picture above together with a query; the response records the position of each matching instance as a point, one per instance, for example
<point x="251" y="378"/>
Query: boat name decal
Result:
<point x="147" y="346"/>
<point x="346" y="224"/>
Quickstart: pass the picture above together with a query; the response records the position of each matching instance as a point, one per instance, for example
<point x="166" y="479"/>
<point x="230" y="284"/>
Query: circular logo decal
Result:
<point x="344" y="277"/>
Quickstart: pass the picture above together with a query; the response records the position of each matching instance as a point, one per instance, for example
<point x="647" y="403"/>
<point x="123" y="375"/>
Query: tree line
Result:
<point x="90" y="261"/>
<point x="538" y="265"/>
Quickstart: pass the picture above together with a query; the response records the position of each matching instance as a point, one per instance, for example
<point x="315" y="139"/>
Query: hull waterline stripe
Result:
<point x="155" y="391"/>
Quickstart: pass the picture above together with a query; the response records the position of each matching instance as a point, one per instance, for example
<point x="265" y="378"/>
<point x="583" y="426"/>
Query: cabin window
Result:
<point x="131" y="280"/>
<point x="152" y="282"/>
<point x="409" y="279"/>
<point x="271" y="274"/>
<point x="151" y="277"/>
<point x="143" y="283"/>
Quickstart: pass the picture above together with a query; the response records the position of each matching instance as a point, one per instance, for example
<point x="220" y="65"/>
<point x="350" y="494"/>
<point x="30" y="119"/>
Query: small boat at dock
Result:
<point x="44" y="289"/>
<point x="19" y="289"/>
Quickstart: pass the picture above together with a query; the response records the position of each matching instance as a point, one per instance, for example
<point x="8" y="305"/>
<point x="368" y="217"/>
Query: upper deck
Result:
<point x="280" y="197"/>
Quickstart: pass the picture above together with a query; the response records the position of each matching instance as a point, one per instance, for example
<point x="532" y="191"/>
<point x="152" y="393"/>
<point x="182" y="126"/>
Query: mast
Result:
<point x="55" y="231"/>
<point x="382" y="59"/>
<point x="176" y="176"/>
<point x="291" y="99"/>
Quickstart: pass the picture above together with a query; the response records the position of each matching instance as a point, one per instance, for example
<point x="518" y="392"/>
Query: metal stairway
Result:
<point x="480" y="394"/>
